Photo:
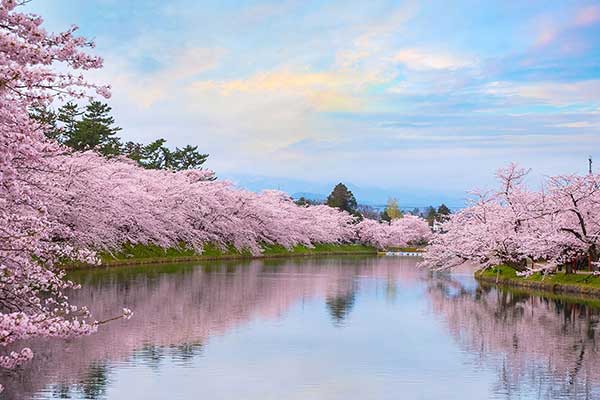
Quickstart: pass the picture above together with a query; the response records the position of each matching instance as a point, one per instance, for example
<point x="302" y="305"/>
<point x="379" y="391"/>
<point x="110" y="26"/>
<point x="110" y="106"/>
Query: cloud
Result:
<point x="418" y="59"/>
<point x="373" y="39"/>
<point x="147" y="88"/>
<point x="297" y="87"/>
<point x="555" y="93"/>
<point x="579" y="124"/>
<point x="337" y="90"/>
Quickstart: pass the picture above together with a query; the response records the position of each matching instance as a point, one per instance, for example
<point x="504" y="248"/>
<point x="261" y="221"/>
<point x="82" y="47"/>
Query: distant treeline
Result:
<point x="341" y="197"/>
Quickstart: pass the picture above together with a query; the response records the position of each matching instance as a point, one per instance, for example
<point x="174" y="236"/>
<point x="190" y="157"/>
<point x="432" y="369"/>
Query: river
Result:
<point x="315" y="328"/>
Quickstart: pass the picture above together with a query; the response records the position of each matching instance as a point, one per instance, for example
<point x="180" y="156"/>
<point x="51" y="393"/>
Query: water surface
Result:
<point x="322" y="328"/>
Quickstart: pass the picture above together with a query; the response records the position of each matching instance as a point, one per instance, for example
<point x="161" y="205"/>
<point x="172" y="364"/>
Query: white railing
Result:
<point x="404" y="253"/>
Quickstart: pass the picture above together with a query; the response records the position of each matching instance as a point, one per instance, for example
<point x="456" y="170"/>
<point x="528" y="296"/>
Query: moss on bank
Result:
<point x="560" y="282"/>
<point x="152" y="254"/>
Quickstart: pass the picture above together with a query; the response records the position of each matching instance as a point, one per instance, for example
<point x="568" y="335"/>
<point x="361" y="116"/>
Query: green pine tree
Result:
<point x="342" y="198"/>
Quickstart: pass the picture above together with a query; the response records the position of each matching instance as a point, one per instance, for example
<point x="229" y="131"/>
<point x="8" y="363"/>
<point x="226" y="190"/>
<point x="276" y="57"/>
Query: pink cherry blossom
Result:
<point x="550" y="225"/>
<point x="32" y="300"/>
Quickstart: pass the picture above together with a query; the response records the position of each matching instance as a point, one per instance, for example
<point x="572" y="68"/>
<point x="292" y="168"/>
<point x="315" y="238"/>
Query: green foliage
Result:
<point x="157" y="156"/>
<point x="507" y="273"/>
<point x="443" y="210"/>
<point x="93" y="129"/>
<point x="342" y="198"/>
<point x="430" y="214"/>
<point x="384" y="216"/>
<point x="89" y="129"/>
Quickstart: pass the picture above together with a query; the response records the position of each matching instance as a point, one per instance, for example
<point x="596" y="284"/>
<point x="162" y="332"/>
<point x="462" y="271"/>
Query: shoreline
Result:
<point x="578" y="284"/>
<point x="128" y="259"/>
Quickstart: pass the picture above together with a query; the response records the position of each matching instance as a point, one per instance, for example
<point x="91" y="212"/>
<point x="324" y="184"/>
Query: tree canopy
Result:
<point x="341" y="197"/>
<point x="93" y="128"/>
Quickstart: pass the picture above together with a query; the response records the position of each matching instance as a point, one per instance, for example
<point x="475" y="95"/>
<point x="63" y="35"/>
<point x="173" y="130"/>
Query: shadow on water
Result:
<point x="512" y="344"/>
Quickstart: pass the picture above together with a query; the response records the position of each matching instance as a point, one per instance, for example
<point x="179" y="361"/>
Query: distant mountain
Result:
<point x="320" y="197"/>
<point x="408" y="198"/>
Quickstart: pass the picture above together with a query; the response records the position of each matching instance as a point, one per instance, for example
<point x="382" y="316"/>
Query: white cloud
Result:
<point x="419" y="59"/>
<point x="578" y="124"/>
<point x="554" y="93"/>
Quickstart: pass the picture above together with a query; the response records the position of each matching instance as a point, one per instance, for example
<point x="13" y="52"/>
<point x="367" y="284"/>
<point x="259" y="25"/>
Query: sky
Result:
<point x="420" y="100"/>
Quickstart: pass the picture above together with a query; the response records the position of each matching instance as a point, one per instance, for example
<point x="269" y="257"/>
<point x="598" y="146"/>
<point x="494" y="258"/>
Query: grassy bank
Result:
<point x="560" y="282"/>
<point x="150" y="254"/>
<point x="575" y="298"/>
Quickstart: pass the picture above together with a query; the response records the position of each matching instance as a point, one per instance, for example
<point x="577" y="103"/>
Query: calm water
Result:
<point x="339" y="328"/>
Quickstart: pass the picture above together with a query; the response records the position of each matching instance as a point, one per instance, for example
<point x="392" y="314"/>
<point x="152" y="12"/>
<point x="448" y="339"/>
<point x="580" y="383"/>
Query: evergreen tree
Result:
<point x="342" y="198"/>
<point x="188" y="158"/>
<point x="157" y="156"/>
<point x="430" y="214"/>
<point x="95" y="131"/>
<point x="68" y="115"/>
<point x="443" y="210"/>
<point x="154" y="155"/>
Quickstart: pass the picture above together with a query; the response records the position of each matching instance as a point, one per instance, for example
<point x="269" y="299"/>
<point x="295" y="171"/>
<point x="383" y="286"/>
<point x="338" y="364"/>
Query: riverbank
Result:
<point x="582" y="283"/>
<point x="150" y="254"/>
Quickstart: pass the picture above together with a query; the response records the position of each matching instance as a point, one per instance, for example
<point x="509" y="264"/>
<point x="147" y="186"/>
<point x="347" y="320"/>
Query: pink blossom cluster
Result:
<point x="397" y="233"/>
<point x="102" y="204"/>
<point x="521" y="227"/>
<point x="32" y="292"/>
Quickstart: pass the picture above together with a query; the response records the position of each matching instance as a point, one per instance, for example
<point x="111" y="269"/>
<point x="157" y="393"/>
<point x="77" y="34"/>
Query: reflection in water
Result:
<point x="539" y="345"/>
<point x="340" y="306"/>
<point x="359" y="327"/>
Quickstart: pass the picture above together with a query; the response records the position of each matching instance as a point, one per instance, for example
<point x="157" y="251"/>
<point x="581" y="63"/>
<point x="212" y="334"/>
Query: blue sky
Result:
<point x="396" y="96"/>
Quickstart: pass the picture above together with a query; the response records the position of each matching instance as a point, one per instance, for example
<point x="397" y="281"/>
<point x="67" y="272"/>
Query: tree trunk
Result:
<point x="569" y="267"/>
<point x="593" y="255"/>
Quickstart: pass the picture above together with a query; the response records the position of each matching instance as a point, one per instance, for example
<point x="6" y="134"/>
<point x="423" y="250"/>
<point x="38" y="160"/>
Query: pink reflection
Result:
<point x="181" y="307"/>
<point x="548" y="347"/>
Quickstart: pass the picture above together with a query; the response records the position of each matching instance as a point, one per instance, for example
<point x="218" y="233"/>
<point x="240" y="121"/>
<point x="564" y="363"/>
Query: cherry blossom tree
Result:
<point x="32" y="299"/>
<point x="553" y="224"/>
<point x="107" y="203"/>
<point x="399" y="232"/>
<point x="574" y="201"/>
